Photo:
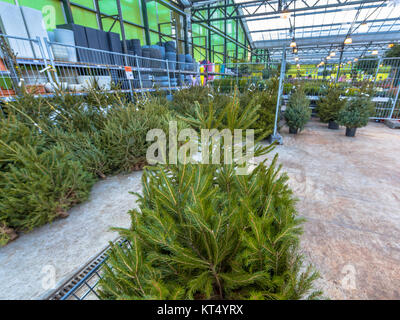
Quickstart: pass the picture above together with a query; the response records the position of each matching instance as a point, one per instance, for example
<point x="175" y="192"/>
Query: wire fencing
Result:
<point x="44" y="67"/>
<point x="378" y="77"/>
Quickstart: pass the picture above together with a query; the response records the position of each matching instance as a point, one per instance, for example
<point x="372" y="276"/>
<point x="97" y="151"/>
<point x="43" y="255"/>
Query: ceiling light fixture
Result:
<point x="293" y="44"/>
<point x="348" y="40"/>
<point x="285" y="14"/>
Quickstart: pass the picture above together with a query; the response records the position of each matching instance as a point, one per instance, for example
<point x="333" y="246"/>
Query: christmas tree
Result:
<point x="204" y="232"/>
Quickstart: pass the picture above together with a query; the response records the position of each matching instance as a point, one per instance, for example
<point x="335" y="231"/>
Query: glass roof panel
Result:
<point x="313" y="18"/>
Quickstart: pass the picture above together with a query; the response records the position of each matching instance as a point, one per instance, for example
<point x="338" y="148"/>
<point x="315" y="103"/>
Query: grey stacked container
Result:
<point x="171" y="57"/>
<point x="181" y="62"/>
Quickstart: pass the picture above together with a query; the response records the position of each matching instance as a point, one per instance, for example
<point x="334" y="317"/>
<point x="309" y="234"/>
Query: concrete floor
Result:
<point x="348" y="189"/>
<point x="67" y="244"/>
<point x="349" y="192"/>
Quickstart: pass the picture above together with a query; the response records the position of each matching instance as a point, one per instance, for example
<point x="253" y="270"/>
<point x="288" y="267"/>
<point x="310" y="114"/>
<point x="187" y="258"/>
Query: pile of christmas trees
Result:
<point x="204" y="232"/>
<point x="53" y="150"/>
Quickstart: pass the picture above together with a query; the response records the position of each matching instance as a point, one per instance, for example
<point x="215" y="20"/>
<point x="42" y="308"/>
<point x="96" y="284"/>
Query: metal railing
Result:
<point x="44" y="66"/>
<point x="380" y="75"/>
<point x="83" y="285"/>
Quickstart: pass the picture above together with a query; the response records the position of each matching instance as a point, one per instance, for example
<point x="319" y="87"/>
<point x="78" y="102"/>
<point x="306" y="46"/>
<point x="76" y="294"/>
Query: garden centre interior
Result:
<point x="86" y="214"/>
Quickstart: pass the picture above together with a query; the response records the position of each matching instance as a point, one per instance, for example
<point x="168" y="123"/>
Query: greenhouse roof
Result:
<point x="318" y="26"/>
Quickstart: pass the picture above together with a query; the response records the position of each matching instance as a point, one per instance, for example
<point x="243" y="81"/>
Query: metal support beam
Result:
<point x="225" y="29"/>
<point x="186" y="32"/>
<point x="334" y="6"/>
<point x="340" y="62"/>
<point x="98" y="14"/>
<point x="67" y="10"/>
<point x="394" y="102"/>
<point x="377" y="69"/>
<point x="121" y="25"/>
<point x="330" y="25"/>
<point x="145" y="22"/>
<point x="210" y="55"/>
<point x="360" y="38"/>
<point x="237" y="39"/>
<point x="276" y="137"/>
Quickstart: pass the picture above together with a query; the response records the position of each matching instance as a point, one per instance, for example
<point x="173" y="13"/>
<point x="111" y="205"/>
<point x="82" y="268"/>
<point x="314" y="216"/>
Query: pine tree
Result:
<point x="298" y="112"/>
<point x="204" y="232"/>
<point x="330" y="105"/>
<point x="38" y="181"/>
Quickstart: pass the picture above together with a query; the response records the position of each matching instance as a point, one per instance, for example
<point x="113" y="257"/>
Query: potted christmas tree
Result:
<point x="330" y="106"/>
<point x="298" y="112"/>
<point x="356" y="114"/>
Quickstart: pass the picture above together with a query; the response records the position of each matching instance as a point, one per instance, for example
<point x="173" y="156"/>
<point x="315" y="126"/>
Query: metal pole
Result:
<point x="276" y="136"/>
<point x="98" y="14"/>
<point x="225" y="29"/>
<point x="394" y="103"/>
<point x="377" y="69"/>
<point x="209" y="36"/>
<point x="42" y="52"/>
<point x="129" y="81"/>
<point x="340" y="62"/>
<point x="186" y="32"/>
<point x="145" y="22"/>
<point x="67" y="11"/>
<point x="51" y="59"/>
<point x="169" y="78"/>
<point x="121" y="25"/>
<point x="237" y="39"/>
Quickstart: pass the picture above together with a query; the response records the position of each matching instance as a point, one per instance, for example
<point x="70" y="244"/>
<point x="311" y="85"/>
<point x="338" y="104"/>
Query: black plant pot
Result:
<point x="333" y="125"/>
<point x="350" y="132"/>
<point x="293" y="130"/>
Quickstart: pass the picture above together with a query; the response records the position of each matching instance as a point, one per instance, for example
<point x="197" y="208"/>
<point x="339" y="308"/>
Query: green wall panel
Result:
<point x="86" y="3"/>
<point x="84" y="17"/>
<point x="131" y="10"/>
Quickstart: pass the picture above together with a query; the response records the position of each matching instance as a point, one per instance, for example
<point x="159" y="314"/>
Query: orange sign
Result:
<point x="129" y="73"/>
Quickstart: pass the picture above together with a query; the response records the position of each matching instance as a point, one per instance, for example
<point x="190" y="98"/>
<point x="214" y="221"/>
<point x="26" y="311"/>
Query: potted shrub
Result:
<point x="356" y="114"/>
<point x="328" y="107"/>
<point x="298" y="112"/>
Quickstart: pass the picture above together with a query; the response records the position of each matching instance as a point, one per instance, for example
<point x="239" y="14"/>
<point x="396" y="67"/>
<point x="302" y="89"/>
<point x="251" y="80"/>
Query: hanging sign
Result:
<point x="129" y="73"/>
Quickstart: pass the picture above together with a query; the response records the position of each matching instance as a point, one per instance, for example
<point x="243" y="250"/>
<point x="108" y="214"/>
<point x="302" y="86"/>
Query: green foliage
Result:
<point x="123" y="138"/>
<point x="204" y="232"/>
<point x="53" y="149"/>
<point x="368" y="65"/>
<point x="393" y="52"/>
<point x="356" y="112"/>
<point x="266" y="99"/>
<point x="298" y="112"/>
<point x="314" y="88"/>
<point x="224" y="85"/>
<point x="184" y="100"/>
<point x="38" y="181"/>
<point x="329" y="106"/>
